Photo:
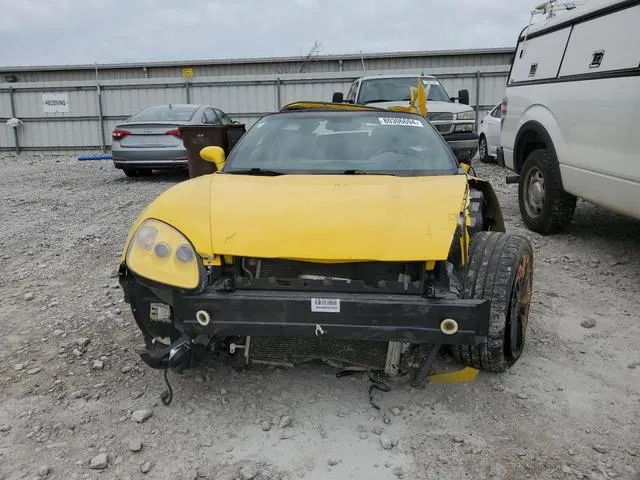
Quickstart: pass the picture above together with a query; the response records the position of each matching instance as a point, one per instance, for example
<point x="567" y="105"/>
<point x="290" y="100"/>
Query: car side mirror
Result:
<point x="338" y="97"/>
<point x="465" y="165"/>
<point x="463" y="97"/>
<point x="214" y="155"/>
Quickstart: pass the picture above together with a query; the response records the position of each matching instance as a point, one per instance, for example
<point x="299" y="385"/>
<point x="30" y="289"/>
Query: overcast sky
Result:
<point x="46" y="32"/>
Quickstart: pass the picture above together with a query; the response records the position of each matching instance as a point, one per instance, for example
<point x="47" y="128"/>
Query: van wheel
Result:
<point x="500" y="270"/>
<point x="483" y="149"/>
<point x="544" y="206"/>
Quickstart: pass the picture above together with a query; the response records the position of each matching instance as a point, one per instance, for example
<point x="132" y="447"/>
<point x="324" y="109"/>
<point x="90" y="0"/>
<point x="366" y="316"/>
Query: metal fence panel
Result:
<point x="124" y="101"/>
<point x="236" y="98"/>
<point x="244" y="98"/>
<point x="30" y="103"/>
<point x="57" y="133"/>
<point x="312" y="91"/>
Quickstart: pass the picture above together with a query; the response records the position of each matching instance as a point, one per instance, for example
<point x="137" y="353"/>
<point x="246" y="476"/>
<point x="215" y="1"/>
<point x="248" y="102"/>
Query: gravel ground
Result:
<point x="76" y="402"/>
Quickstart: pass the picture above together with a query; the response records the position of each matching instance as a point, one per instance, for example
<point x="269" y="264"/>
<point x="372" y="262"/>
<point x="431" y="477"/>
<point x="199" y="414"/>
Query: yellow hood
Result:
<point x="334" y="218"/>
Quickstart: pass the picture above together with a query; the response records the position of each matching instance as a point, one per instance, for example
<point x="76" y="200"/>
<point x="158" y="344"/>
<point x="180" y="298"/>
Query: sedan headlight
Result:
<point x="161" y="253"/>
<point x="470" y="115"/>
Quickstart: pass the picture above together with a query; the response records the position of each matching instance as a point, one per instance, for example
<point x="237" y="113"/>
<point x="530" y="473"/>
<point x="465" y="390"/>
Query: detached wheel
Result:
<point x="544" y="206"/>
<point x="500" y="270"/>
<point x="483" y="149"/>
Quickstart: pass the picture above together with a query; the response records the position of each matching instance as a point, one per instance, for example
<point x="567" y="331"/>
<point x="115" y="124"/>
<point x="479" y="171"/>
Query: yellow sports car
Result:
<point x="338" y="232"/>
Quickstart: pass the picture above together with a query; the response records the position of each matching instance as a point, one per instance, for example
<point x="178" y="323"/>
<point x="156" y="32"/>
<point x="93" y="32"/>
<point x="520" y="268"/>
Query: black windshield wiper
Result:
<point x="364" y="172"/>
<point x="256" y="171"/>
<point x="378" y="100"/>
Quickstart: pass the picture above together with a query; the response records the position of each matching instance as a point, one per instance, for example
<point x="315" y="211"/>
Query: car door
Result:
<point x="493" y="130"/>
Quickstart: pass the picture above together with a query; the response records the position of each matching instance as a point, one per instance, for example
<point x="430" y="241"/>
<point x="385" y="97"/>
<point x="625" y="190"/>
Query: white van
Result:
<point x="571" y="113"/>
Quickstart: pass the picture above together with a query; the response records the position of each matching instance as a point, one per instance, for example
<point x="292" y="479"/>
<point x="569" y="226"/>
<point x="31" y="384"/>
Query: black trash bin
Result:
<point x="196" y="137"/>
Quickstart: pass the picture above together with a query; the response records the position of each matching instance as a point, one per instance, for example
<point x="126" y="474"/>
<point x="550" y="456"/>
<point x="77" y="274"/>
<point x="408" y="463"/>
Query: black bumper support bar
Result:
<point x="403" y="318"/>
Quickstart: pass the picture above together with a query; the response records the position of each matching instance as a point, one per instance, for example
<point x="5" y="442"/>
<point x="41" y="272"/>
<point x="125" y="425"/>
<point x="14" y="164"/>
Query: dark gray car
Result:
<point x="151" y="139"/>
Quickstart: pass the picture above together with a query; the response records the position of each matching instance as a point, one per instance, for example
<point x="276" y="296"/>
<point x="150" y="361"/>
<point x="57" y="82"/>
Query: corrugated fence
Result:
<point x="89" y="111"/>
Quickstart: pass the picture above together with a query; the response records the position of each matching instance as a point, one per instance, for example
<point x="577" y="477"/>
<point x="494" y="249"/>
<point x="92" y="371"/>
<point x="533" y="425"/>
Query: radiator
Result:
<point x="290" y="351"/>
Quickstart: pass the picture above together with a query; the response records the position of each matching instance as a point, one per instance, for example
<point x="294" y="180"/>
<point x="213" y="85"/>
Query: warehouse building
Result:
<point x="73" y="108"/>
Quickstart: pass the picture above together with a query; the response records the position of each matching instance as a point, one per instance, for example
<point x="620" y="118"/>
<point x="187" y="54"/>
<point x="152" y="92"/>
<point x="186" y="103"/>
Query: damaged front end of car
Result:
<point x="387" y="317"/>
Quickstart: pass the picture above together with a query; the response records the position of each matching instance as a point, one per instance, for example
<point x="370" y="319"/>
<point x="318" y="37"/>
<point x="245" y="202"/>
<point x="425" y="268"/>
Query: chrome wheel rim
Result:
<point x="534" y="193"/>
<point x="519" y="304"/>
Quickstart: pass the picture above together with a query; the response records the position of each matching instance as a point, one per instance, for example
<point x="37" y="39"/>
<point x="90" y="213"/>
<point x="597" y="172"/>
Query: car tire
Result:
<point x="483" y="149"/>
<point x="544" y="205"/>
<point x="500" y="270"/>
<point x="131" y="172"/>
<point x="137" y="172"/>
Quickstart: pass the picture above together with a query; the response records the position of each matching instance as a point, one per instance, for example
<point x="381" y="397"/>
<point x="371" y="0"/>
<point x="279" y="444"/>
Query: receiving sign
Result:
<point x="55" y="102"/>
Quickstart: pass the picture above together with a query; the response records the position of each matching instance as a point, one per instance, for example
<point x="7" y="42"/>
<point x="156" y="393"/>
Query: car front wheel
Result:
<point x="500" y="270"/>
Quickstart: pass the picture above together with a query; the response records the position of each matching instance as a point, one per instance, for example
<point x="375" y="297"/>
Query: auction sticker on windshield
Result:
<point x="409" y="122"/>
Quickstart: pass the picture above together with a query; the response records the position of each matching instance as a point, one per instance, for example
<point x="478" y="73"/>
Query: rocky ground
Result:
<point x="77" y="403"/>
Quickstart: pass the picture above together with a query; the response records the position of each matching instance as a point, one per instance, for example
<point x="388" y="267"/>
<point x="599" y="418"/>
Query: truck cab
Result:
<point x="452" y="117"/>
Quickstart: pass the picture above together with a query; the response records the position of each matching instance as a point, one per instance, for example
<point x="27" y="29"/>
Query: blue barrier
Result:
<point x="94" y="157"/>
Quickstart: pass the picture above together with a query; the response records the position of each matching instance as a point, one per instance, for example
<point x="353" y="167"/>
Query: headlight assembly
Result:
<point x="161" y="253"/>
<point x="470" y="115"/>
<point x="464" y="127"/>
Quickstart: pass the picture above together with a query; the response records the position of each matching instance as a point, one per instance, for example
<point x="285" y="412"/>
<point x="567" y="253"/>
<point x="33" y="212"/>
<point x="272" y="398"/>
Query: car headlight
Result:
<point x="470" y="115"/>
<point x="161" y="253"/>
<point x="464" y="127"/>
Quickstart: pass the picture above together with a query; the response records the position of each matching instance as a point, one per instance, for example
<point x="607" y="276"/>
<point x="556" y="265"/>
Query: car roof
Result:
<point x="398" y="75"/>
<point x="195" y="106"/>
<point x="344" y="108"/>
<point x="314" y="105"/>
<point x="566" y="17"/>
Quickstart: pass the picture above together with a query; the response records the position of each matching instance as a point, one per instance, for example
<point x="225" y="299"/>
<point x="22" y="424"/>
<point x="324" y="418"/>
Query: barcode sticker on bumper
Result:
<point x="325" y="305"/>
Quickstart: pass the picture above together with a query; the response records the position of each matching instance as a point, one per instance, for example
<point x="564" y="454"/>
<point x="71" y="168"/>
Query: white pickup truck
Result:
<point x="452" y="117"/>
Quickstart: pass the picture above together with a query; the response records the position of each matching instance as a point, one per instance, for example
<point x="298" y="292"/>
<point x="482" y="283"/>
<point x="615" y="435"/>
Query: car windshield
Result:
<point x="342" y="142"/>
<point x="398" y="90"/>
<point x="166" y="113"/>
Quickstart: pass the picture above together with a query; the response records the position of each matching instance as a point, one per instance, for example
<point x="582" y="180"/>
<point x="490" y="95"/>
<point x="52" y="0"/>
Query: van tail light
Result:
<point x="175" y="132"/>
<point x="119" y="134"/>
<point x="503" y="111"/>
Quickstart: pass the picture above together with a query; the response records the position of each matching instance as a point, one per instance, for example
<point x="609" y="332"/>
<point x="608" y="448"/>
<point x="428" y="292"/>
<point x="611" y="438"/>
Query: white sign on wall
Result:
<point x="55" y="102"/>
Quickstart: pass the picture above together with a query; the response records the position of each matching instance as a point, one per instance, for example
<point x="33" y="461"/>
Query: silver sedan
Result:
<point x="151" y="138"/>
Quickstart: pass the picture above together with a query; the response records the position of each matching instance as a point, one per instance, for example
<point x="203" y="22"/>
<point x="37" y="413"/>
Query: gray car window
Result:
<point x="211" y="117"/>
<point x="223" y="117"/>
<point x="177" y="113"/>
